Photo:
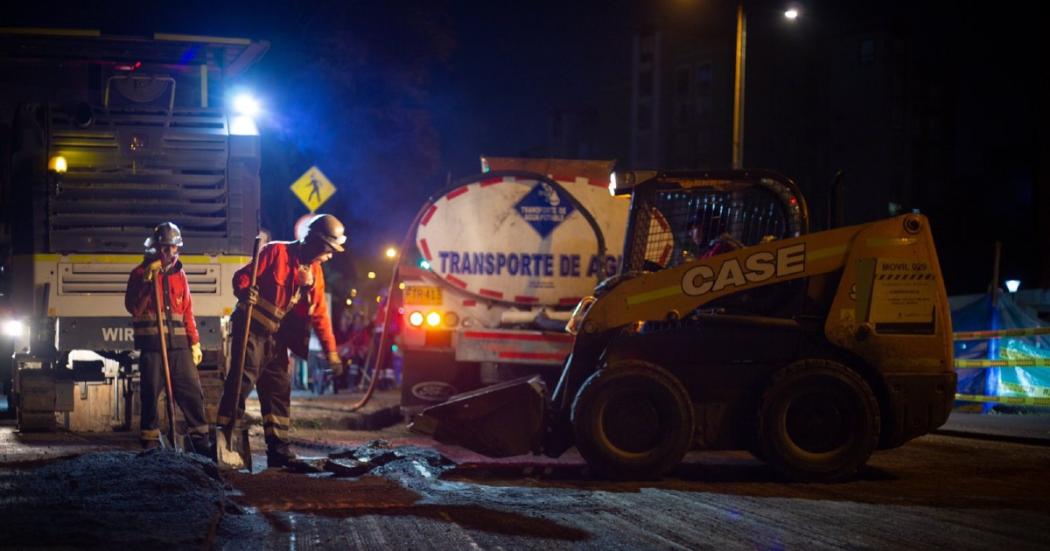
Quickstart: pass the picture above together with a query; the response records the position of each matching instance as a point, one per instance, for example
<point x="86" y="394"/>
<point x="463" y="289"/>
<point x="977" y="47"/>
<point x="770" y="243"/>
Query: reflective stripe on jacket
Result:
<point x="181" y="328"/>
<point x="284" y="307"/>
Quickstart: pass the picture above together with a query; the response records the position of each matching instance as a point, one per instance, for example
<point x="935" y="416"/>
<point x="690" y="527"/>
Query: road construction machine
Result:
<point x="731" y="326"/>
<point x="110" y="136"/>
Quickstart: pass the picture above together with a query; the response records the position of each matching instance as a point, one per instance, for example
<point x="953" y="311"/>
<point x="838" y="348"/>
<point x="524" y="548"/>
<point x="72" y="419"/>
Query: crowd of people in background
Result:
<point x="357" y="339"/>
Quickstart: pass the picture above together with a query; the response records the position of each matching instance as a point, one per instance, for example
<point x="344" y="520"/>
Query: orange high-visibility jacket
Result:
<point x="140" y="302"/>
<point x="283" y="308"/>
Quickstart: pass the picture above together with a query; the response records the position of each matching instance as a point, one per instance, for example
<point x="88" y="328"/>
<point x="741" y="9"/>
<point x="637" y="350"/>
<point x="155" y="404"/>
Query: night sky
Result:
<point x="392" y="99"/>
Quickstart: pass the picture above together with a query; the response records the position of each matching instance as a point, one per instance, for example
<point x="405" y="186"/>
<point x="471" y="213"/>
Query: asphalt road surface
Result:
<point x="937" y="492"/>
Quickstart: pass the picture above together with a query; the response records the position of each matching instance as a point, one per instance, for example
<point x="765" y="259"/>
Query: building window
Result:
<point x="702" y="104"/>
<point x="644" y="152"/>
<point x="645" y="117"/>
<point x="703" y="79"/>
<point x="682" y="82"/>
<point x="867" y="51"/>
<point x="646" y="47"/>
<point x="645" y="83"/>
<point x="683" y="114"/>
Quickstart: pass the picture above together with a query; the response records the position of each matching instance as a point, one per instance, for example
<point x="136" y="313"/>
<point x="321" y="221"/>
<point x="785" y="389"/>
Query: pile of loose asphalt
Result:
<point x="167" y="498"/>
<point x="113" y="499"/>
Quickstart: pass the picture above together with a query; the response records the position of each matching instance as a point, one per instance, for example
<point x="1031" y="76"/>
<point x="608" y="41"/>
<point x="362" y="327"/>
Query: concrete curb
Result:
<point x="1013" y="439"/>
<point x="346" y="420"/>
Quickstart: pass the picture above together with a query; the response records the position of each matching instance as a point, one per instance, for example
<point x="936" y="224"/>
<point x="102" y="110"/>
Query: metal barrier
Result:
<point x="1010" y="362"/>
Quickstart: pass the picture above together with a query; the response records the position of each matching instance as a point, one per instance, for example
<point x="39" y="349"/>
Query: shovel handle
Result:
<point x="242" y="353"/>
<point x="159" y="298"/>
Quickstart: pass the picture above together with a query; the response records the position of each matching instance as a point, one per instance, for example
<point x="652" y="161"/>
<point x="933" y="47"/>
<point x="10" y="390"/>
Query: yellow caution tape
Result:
<point x="1014" y="400"/>
<point x="1010" y="362"/>
<point x="995" y="333"/>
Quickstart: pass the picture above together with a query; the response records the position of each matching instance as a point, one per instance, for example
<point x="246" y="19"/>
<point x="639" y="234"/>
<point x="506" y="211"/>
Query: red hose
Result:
<point x="384" y="340"/>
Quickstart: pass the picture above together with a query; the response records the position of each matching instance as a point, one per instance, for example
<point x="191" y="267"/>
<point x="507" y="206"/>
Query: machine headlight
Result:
<point x="14" y="328"/>
<point x="57" y="164"/>
<point x="246" y="105"/>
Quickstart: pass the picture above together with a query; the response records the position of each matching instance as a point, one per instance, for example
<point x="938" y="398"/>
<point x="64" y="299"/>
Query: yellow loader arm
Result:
<point x="891" y="285"/>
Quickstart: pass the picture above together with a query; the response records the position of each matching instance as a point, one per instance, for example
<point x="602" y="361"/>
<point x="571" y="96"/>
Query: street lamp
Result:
<point x="1012" y="285"/>
<point x="391" y="252"/>
<point x="790" y="14"/>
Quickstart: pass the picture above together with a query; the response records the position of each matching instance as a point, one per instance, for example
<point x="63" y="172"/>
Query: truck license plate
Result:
<point x="423" y="295"/>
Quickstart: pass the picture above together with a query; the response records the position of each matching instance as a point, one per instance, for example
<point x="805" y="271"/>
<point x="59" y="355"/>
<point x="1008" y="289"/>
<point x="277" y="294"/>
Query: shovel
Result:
<point x="158" y="293"/>
<point x="233" y="450"/>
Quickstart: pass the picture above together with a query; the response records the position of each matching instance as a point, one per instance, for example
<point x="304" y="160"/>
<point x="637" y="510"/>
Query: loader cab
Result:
<point x="679" y="217"/>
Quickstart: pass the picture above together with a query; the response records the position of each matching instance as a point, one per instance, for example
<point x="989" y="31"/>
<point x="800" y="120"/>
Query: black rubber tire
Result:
<point x="632" y="420"/>
<point x="818" y="421"/>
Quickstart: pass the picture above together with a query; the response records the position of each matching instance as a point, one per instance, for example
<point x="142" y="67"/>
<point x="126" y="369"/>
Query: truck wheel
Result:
<point x="818" y="421"/>
<point x="632" y="420"/>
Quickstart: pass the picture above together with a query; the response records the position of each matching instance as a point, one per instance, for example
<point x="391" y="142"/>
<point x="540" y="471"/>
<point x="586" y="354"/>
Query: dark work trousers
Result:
<point x="188" y="395"/>
<point x="266" y="367"/>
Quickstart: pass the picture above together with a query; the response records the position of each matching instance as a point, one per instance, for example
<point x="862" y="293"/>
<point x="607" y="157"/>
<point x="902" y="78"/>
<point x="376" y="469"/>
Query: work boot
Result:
<point x="202" y="447"/>
<point x="279" y="457"/>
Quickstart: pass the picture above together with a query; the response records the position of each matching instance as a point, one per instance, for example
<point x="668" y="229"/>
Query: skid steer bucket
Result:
<point x="498" y="421"/>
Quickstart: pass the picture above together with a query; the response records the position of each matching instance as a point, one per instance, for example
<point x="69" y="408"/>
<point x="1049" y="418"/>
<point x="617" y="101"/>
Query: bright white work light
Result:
<point x="1013" y="285"/>
<point x="14" y="328"/>
<point x="246" y="105"/>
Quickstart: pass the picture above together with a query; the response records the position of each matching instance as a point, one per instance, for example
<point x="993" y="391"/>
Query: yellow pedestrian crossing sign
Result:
<point x="313" y="188"/>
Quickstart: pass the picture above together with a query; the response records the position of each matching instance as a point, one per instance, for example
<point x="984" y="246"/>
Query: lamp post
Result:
<point x="738" y="80"/>
<point x="738" y="86"/>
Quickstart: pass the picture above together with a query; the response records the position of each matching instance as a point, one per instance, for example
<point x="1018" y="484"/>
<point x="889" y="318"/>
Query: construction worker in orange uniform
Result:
<point x="184" y="348"/>
<point x="288" y="300"/>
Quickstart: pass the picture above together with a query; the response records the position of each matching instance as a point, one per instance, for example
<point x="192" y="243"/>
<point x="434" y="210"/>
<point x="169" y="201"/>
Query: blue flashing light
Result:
<point x="424" y="264"/>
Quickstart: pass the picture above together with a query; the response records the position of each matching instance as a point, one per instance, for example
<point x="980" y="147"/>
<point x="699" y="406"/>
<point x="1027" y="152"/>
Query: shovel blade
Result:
<point x="232" y="449"/>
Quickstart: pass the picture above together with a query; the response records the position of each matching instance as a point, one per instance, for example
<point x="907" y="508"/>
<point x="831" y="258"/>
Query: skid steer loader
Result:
<point x="731" y="326"/>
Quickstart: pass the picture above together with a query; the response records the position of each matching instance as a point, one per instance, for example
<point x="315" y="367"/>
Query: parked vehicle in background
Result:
<point x="500" y="260"/>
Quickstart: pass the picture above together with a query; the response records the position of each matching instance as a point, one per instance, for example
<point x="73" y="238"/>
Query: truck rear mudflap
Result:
<point x="502" y="420"/>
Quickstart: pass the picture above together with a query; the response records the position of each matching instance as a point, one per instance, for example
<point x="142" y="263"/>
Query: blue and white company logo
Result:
<point x="544" y="209"/>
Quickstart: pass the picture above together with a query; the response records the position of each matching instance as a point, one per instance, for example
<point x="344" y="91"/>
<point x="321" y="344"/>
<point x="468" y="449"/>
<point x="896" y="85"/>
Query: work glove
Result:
<point x="253" y="295"/>
<point x="152" y="269"/>
<point x="198" y="355"/>
<point x="304" y="276"/>
<point x="335" y="363"/>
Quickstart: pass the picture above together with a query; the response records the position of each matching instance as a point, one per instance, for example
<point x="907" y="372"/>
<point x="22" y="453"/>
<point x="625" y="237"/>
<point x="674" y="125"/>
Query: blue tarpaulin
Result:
<point x="981" y="315"/>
